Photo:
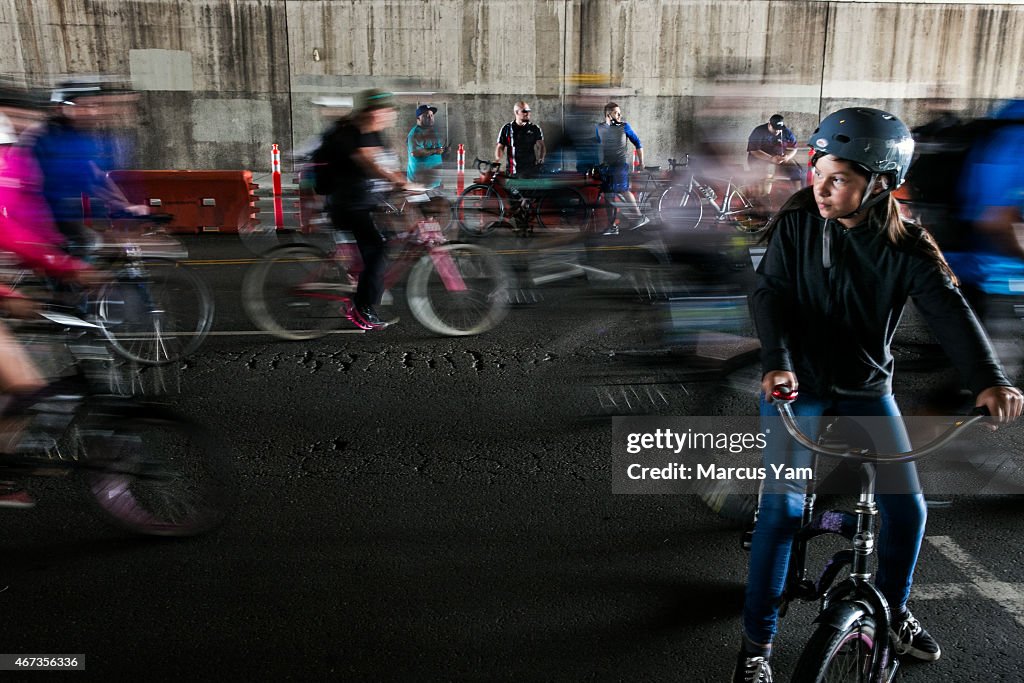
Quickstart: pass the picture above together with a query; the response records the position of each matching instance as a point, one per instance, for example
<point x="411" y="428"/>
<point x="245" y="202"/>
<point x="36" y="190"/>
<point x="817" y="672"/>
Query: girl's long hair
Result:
<point x="883" y="217"/>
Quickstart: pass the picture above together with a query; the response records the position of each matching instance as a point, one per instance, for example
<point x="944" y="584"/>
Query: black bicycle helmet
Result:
<point x="872" y="138"/>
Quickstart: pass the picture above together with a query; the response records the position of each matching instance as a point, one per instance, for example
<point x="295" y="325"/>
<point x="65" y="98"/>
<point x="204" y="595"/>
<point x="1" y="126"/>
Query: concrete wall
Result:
<point x="223" y="79"/>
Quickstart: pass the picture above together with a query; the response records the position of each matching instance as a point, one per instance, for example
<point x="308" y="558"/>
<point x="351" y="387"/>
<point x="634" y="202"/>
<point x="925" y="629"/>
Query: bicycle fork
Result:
<point x="857" y="596"/>
<point x="448" y="269"/>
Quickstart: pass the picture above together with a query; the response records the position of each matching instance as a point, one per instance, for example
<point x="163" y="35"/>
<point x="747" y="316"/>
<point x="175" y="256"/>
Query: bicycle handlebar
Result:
<point x="673" y="164"/>
<point x="782" y="396"/>
<point x="486" y="164"/>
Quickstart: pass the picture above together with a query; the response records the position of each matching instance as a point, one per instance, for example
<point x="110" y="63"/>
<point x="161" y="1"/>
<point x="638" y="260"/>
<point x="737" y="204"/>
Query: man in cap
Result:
<point x="426" y="149"/>
<point x="770" y="150"/>
<point x="357" y="158"/>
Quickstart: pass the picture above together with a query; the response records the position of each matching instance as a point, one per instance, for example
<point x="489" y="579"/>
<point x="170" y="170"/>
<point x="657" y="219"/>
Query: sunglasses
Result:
<point x="525" y="111"/>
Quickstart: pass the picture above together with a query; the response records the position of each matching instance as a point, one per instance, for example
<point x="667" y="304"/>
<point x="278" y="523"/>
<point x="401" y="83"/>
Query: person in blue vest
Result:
<point x="614" y="137"/>
<point x="426" y="149"/>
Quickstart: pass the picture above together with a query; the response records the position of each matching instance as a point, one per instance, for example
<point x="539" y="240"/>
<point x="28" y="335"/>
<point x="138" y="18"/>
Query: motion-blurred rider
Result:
<point x="356" y="158"/>
<point x="73" y="152"/>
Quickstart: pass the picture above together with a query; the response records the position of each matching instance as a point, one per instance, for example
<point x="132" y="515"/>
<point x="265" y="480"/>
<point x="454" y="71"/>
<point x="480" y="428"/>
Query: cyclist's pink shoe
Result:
<point x="355" y="317"/>
<point x="13" y="497"/>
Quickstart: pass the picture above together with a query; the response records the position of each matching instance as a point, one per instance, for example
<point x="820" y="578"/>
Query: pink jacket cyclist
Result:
<point x="26" y="225"/>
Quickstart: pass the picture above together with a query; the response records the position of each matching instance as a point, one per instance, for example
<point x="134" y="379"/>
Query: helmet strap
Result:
<point x="869" y="199"/>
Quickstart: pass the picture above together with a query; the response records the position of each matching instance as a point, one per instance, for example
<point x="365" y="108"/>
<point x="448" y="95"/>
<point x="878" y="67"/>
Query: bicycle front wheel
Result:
<point x="747" y="216"/>
<point x="680" y="208"/>
<point x="458" y="290"/>
<point x="479" y="210"/>
<point x="838" y="655"/>
<point x="155" y="312"/>
<point x="296" y="293"/>
<point x="152" y="472"/>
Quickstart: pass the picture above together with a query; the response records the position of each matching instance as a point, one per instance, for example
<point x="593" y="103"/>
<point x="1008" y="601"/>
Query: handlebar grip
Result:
<point x="782" y="393"/>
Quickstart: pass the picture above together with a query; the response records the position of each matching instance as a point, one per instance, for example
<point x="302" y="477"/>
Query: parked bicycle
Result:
<point x="851" y="641"/>
<point x="300" y="291"/>
<point x="683" y="205"/>
<point x="497" y="200"/>
<point x="647" y="187"/>
<point x="146" y="469"/>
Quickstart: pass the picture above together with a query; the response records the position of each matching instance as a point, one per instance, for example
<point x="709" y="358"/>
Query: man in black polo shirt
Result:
<point x="522" y="142"/>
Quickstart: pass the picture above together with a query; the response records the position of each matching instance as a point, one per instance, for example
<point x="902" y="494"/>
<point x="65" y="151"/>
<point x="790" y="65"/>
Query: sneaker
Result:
<point x="644" y="220"/>
<point x="611" y="232"/>
<point x="911" y="639"/>
<point x="752" y="670"/>
<point x="355" y="317"/>
<point x="370" y="317"/>
<point x="13" y="497"/>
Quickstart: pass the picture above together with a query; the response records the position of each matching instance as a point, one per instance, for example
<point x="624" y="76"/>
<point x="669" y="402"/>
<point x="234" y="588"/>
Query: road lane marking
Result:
<point x="1009" y="596"/>
<point x="940" y="591"/>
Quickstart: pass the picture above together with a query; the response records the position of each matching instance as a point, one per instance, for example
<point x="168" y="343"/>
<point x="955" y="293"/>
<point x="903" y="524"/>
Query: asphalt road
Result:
<point x="423" y="508"/>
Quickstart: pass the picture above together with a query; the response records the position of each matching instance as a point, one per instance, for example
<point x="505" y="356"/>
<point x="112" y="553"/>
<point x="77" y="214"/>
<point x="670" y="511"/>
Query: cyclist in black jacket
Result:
<point x="839" y="267"/>
<point x="357" y="157"/>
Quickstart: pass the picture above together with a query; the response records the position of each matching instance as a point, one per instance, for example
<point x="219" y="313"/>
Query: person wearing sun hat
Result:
<point x="425" y="148"/>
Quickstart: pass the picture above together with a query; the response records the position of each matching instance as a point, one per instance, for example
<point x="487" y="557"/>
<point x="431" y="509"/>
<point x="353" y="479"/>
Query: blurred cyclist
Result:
<point x="26" y="231"/>
<point x="357" y="160"/>
<point x="991" y="207"/>
<point x="72" y="149"/>
<point x="26" y="225"/>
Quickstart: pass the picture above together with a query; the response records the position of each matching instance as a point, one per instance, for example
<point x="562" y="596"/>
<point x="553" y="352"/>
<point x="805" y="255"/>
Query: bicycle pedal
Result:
<point x="747" y="540"/>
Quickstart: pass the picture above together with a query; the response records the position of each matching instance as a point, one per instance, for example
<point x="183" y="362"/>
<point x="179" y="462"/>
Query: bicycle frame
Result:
<point x="723" y="211"/>
<point x="845" y="602"/>
<point x="420" y="239"/>
<point x="520" y="206"/>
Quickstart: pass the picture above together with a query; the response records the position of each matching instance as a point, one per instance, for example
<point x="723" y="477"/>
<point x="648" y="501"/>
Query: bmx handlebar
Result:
<point x="783" y="395"/>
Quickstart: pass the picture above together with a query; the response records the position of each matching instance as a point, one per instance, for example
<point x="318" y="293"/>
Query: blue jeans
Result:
<point x="903" y="515"/>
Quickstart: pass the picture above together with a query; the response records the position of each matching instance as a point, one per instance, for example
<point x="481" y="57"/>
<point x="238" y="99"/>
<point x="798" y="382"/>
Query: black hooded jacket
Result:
<point x="831" y="321"/>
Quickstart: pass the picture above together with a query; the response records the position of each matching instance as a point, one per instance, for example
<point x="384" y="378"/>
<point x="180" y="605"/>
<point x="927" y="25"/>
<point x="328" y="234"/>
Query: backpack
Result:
<point x="935" y="178"/>
<point x="321" y="169"/>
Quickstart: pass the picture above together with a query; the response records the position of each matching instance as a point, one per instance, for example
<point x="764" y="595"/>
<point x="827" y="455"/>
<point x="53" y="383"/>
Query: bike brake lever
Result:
<point x="782" y="393"/>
